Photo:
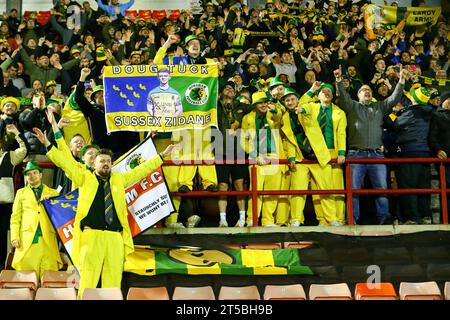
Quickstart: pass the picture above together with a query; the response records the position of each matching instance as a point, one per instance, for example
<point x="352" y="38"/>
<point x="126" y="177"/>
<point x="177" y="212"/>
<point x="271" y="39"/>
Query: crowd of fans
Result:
<point x="313" y="52"/>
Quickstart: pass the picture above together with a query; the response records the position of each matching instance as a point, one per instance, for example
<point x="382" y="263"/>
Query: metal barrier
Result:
<point x="348" y="191"/>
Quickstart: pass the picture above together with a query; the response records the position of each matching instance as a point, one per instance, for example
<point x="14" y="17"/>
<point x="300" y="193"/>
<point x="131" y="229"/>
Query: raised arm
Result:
<point x="395" y="97"/>
<point x="20" y="153"/>
<point x="346" y="101"/>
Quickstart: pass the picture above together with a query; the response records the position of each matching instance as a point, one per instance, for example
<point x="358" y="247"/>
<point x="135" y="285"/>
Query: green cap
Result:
<point x="276" y="81"/>
<point x="326" y="85"/>
<point x="31" y="165"/>
<point x="190" y="38"/>
<point x="95" y="90"/>
<point x="289" y="91"/>
<point x="88" y="146"/>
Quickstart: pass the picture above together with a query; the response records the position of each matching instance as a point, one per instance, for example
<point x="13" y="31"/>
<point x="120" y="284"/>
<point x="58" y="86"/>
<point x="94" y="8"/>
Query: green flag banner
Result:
<point x="147" y="261"/>
<point x="159" y="97"/>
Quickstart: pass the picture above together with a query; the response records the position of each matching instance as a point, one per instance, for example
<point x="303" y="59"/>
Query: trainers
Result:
<point x="336" y="223"/>
<point x="240" y="223"/>
<point x="426" y="220"/>
<point x="223" y="224"/>
<point x="270" y="225"/>
<point x="212" y="188"/>
<point x="175" y="225"/>
<point x="294" y="224"/>
<point x="193" y="221"/>
<point x="184" y="189"/>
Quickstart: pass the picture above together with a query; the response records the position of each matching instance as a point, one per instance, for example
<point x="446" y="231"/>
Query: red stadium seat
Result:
<point x="158" y="14"/>
<point x="131" y="13"/>
<point x="174" y="15"/>
<point x="145" y="14"/>
<point x="375" y="291"/>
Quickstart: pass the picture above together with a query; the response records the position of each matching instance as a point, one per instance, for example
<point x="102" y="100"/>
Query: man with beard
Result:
<point x="102" y="237"/>
<point x="365" y="120"/>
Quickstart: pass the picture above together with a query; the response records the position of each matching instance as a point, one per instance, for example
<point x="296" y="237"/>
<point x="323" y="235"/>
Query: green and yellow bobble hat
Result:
<point x="413" y="87"/>
<point x="289" y="91"/>
<point x="31" y="165"/>
<point x="10" y="100"/>
<point x="190" y="38"/>
<point x="95" y="90"/>
<point x="51" y="83"/>
<point x="100" y="54"/>
<point x="420" y="96"/>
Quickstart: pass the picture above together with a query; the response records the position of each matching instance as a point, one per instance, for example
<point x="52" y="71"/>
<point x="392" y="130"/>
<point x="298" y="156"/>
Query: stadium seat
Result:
<point x="18" y="279"/>
<point x="174" y="15"/>
<point x="56" y="294"/>
<point x="145" y="14"/>
<point x="375" y="291"/>
<point x="16" y="294"/>
<point x="193" y="293"/>
<point x="131" y="13"/>
<point x="60" y="279"/>
<point x="298" y="245"/>
<point x="284" y="292"/>
<point x="156" y="293"/>
<point x="102" y="294"/>
<point x="158" y="14"/>
<point x="234" y="246"/>
<point x="447" y="291"/>
<point x="419" y="291"/>
<point x="338" y="291"/>
<point x="275" y="245"/>
<point x="239" y="293"/>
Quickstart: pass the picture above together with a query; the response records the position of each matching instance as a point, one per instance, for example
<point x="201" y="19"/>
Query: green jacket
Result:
<point x="44" y="74"/>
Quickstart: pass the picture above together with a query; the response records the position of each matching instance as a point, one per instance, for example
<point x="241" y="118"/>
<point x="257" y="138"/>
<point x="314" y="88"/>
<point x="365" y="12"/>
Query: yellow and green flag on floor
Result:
<point x="147" y="261"/>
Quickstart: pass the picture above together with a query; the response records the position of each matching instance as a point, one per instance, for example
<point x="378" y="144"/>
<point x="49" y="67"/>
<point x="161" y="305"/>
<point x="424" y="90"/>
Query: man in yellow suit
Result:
<point x="333" y="124"/>
<point x="32" y="233"/>
<point x="261" y="139"/>
<point x="304" y="140"/>
<point x="101" y="236"/>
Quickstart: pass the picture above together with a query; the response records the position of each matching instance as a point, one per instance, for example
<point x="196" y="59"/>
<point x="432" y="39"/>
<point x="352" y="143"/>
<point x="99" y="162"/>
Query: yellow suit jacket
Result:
<point x="339" y="122"/>
<point x="248" y="136"/>
<point x="27" y="214"/>
<point x="312" y="131"/>
<point x="88" y="184"/>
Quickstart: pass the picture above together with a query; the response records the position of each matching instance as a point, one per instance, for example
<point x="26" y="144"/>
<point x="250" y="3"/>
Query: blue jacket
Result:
<point x="412" y="127"/>
<point x="109" y="9"/>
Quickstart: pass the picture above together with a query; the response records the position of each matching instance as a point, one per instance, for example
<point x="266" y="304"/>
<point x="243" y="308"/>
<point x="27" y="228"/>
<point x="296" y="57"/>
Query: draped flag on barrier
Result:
<point x="158" y="97"/>
<point x="148" y="200"/>
<point x="149" y="261"/>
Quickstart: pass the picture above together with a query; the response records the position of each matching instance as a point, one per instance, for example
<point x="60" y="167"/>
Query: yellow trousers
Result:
<point x="38" y="259"/>
<point x="269" y="177"/>
<point x="337" y="182"/>
<point x="283" y="206"/>
<point x="320" y="178"/>
<point x="171" y="174"/>
<point x="101" y="254"/>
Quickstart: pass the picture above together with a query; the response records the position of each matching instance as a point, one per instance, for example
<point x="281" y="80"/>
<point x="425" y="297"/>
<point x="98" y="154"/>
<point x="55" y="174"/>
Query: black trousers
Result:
<point x="414" y="176"/>
<point x="5" y="216"/>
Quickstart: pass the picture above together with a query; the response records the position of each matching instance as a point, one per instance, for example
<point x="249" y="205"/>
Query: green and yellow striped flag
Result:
<point x="147" y="261"/>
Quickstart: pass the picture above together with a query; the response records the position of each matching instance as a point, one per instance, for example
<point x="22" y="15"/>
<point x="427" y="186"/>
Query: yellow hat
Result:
<point x="50" y="83"/>
<point x="11" y="100"/>
<point x="259" y="96"/>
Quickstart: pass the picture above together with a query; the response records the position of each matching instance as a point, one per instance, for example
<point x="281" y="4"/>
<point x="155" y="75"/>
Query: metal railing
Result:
<point x="348" y="191"/>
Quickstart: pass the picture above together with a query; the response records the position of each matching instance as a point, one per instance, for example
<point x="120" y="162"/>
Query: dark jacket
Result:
<point x="36" y="118"/>
<point x="440" y="131"/>
<point x="365" y="122"/>
<point x="412" y="127"/>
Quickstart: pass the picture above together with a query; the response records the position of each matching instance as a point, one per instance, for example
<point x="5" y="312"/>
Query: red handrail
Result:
<point x="348" y="191"/>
